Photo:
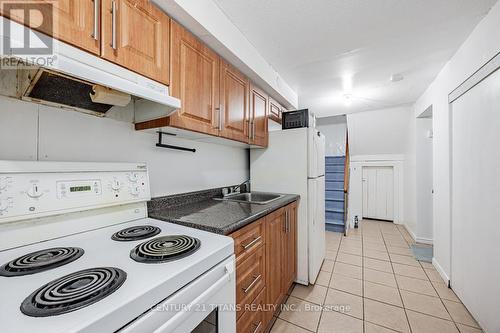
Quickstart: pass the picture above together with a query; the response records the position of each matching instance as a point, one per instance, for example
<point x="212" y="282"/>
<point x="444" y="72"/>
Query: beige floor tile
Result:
<point x="281" y="326"/>
<point x="345" y="303"/>
<point x="323" y="278"/>
<point x="380" y="277"/>
<point x="410" y="271"/>
<point x="348" y="270"/>
<point x="433" y="275"/>
<point x="372" y="328"/>
<point x="330" y="255"/>
<point x="304" y="315"/>
<point x="460" y="314"/>
<point x="400" y="250"/>
<point x="351" y="242"/>
<point x="350" y="259"/>
<point x="406" y="260"/>
<point x="347" y="284"/>
<point x="467" y="329"/>
<point x="376" y="255"/>
<point x="312" y="293"/>
<point x="421" y="323"/>
<point x="382" y="293"/>
<point x="426" y="265"/>
<point x="378" y="265"/>
<point x="386" y="315"/>
<point x="335" y="322"/>
<point x="425" y="304"/>
<point x="416" y="285"/>
<point x="351" y="250"/>
<point x="327" y="265"/>
<point x="444" y="292"/>
<point x="374" y="246"/>
<point x="332" y="246"/>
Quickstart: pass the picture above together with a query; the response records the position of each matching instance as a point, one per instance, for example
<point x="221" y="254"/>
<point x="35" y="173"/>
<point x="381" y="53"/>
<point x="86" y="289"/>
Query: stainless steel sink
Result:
<point x="259" y="198"/>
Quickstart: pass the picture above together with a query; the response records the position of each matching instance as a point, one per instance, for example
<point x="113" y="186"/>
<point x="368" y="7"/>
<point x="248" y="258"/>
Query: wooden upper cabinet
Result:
<point x="234" y="95"/>
<point x="75" y="22"/>
<point x="274" y="110"/>
<point x="259" y="105"/>
<point x="289" y="246"/>
<point x="135" y="35"/>
<point x="195" y="81"/>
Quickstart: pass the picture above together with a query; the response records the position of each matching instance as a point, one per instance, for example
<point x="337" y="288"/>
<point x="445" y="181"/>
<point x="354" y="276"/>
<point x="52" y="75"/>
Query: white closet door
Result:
<point x="475" y="227"/>
<point x="378" y="193"/>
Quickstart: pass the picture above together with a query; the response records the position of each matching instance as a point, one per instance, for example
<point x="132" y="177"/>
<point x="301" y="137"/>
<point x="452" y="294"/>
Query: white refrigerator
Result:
<point x="294" y="163"/>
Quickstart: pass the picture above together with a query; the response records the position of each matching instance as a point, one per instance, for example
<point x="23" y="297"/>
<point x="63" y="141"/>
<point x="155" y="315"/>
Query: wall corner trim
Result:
<point x="441" y="271"/>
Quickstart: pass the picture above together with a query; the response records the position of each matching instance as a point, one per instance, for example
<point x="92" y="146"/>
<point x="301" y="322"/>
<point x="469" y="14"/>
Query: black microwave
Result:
<point x="295" y="119"/>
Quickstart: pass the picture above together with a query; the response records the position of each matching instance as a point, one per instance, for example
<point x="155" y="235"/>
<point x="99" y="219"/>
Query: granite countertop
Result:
<point x="202" y="211"/>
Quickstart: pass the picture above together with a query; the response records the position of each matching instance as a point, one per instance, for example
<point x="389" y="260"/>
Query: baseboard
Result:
<point x="441" y="271"/>
<point x="412" y="234"/>
<point x="427" y="241"/>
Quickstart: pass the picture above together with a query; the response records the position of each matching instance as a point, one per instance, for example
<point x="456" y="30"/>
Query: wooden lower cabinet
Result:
<point x="266" y="255"/>
<point x="289" y="246"/>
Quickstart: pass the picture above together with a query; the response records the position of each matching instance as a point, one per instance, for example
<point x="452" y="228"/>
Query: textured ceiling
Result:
<point x="318" y="46"/>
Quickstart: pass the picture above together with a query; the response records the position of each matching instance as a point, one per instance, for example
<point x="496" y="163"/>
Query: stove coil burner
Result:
<point x="73" y="291"/>
<point x="165" y="248"/>
<point x="40" y="261"/>
<point x="136" y="233"/>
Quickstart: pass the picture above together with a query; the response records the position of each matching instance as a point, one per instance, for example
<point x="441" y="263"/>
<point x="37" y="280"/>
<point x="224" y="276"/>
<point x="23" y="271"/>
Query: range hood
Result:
<point x="73" y="77"/>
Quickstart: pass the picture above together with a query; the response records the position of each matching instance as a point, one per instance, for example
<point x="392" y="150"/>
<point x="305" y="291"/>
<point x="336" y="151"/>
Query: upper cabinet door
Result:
<point x="135" y="35"/>
<point x="75" y="22"/>
<point x="259" y="105"/>
<point x="195" y="81"/>
<point x="234" y="95"/>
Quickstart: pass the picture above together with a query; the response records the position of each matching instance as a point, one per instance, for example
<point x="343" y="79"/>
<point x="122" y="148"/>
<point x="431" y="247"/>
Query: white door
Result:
<point x="475" y="229"/>
<point x="378" y="193"/>
<point x="316" y="226"/>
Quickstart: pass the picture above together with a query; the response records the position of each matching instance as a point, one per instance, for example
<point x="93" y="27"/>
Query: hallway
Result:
<point x="370" y="283"/>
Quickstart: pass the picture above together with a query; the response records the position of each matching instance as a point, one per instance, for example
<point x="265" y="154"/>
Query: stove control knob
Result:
<point x="135" y="190"/>
<point x="115" y="185"/>
<point x="4" y="205"/>
<point x="34" y="192"/>
<point x="133" y="177"/>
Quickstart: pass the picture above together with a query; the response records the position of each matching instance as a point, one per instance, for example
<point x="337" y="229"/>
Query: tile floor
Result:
<point x="370" y="283"/>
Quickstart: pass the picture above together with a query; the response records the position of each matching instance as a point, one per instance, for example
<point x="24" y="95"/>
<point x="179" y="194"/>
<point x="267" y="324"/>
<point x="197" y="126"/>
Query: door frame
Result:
<point x="356" y="183"/>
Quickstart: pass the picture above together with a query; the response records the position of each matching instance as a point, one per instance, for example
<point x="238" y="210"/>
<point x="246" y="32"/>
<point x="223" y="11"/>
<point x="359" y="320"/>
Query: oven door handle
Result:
<point x="179" y="317"/>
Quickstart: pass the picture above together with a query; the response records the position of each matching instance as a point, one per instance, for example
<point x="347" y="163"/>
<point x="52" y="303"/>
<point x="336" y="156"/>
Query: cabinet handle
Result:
<point x="249" y="122"/>
<point x="255" y="280"/>
<point x="95" y="33"/>
<point x="253" y="129"/>
<point x="221" y="113"/>
<point x="257" y="326"/>
<point x="251" y="243"/>
<point x="286" y="222"/>
<point x="113" y="25"/>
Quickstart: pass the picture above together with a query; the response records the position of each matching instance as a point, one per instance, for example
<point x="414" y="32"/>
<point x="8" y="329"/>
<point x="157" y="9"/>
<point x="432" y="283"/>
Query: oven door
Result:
<point x="205" y="305"/>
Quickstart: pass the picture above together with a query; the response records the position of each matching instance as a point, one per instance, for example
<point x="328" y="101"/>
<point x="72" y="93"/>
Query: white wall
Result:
<point x="334" y="129"/>
<point x="29" y="131"/>
<point x="481" y="46"/>
<point x="424" y="179"/>
<point x="379" y="132"/>
<point x="381" y="138"/>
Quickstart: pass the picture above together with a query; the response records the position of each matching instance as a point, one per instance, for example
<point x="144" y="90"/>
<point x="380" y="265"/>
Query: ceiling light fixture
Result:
<point x="397" y="77"/>
<point x="347" y="99"/>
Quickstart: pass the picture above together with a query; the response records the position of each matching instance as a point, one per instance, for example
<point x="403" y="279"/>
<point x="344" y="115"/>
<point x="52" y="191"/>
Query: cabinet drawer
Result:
<point x="248" y="239"/>
<point x="253" y="319"/>
<point x="250" y="279"/>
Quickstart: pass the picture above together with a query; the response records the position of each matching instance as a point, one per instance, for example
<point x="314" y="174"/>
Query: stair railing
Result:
<point x="346" y="182"/>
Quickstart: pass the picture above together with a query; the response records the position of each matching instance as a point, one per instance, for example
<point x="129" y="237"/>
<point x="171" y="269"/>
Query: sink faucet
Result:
<point x="238" y="187"/>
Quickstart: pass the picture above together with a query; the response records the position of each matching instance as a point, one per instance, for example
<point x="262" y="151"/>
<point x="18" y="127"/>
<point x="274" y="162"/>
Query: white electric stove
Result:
<point x="78" y="254"/>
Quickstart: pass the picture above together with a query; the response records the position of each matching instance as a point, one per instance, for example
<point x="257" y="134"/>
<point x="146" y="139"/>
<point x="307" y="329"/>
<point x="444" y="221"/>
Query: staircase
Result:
<point x="334" y="196"/>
